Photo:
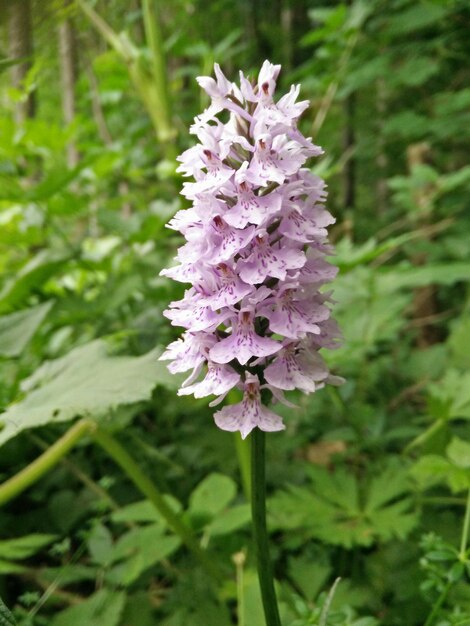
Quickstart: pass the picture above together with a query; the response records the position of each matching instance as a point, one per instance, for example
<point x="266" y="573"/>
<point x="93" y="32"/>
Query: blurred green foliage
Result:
<point x="369" y="483"/>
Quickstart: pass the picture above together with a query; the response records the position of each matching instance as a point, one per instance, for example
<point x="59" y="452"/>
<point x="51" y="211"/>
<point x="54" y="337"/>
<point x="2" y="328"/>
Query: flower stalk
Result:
<point x="260" y="532"/>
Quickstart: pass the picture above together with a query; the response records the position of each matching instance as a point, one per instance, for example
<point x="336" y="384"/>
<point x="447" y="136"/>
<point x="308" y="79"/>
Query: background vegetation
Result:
<point x="370" y="481"/>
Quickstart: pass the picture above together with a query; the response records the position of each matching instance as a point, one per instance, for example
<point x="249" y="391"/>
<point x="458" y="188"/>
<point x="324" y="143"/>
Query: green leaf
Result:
<point x="411" y="277"/>
<point x="86" y="382"/>
<point x="450" y="397"/>
<point x="17" y="329"/>
<point x="30" y="278"/>
<point x="417" y="17"/>
<point x="330" y="510"/>
<point x="139" y="549"/>
<point x="104" y="608"/>
<point x="453" y="471"/>
<point x="100" y="545"/>
<point x="458" y="452"/>
<point x="24" y="547"/>
<point x="212" y="495"/>
<point x="144" y="511"/>
<point x="230" y="520"/>
<point x="8" y="567"/>
<point x="6" y="618"/>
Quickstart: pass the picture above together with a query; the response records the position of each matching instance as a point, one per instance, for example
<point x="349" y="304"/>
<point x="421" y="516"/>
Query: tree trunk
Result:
<point x="20" y="46"/>
<point x="68" y="72"/>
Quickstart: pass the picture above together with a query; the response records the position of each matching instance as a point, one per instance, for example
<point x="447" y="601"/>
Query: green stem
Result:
<point x="242" y="447"/>
<point x="155" y="42"/>
<point x="120" y="455"/>
<point x="423" y="437"/>
<point x="260" y="533"/>
<point x="43" y="464"/>
<point x="51" y="457"/>
<point x="438" y="604"/>
<point x="466" y="525"/>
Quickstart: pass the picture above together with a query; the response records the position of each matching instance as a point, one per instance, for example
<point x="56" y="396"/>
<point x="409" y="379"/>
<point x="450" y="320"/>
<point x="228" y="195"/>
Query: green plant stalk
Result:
<point x="242" y="447"/>
<point x="260" y="532"/>
<point x="43" y="464"/>
<point x="466" y="526"/>
<point x="428" y="433"/>
<point x="53" y="455"/>
<point x="155" y="42"/>
<point x="120" y="455"/>
<point x="437" y="605"/>
<point x="149" y="81"/>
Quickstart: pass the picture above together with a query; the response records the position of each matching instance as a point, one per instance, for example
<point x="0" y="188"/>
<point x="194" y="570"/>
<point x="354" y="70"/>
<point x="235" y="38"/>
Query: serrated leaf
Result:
<point x="338" y="518"/>
<point x="450" y="397"/>
<point x="6" y="618"/>
<point x="17" y="329"/>
<point x="339" y="488"/>
<point x="86" y="382"/>
<point x="384" y="488"/>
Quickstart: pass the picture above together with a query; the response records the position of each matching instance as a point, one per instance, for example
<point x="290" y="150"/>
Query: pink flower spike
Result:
<point x="255" y="244"/>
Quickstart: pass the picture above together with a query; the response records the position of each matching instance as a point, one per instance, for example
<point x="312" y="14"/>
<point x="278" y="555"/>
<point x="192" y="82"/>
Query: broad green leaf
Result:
<point x="309" y="575"/>
<point x="458" y="453"/>
<point x="104" y="608"/>
<point x="86" y="382"/>
<point x="212" y="495"/>
<point x="6" y="618"/>
<point x="144" y="511"/>
<point x="24" y="547"/>
<point x="417" y="17"/>
<point x="17" y="329"/>
<point x="100" y="545"/>
<point x="139" y="549"/>
<point x="230" y="520"/>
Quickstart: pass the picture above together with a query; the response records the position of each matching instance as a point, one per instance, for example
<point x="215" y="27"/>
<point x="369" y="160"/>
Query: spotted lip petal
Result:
<point x="296" y="371"/>
<point x="249" y="413"/>
<point x="243" y="343"/>
<point x="218" y="381"/>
